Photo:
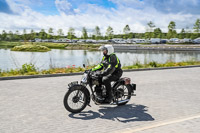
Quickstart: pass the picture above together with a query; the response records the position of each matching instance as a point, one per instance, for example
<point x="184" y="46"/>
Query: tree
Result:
<point x="84" y="33"/>
<point x="32" y="37"/>
<point x="126" y="31"/>
<point x="157" y="33"/>
<point x="71" y="33"/>
<point x="60" y="33"/>
<point x="172" y="25"/>
<point x="97" y="32"/>
<point x="42" y="34"/>
<point x="131" y="35"/>
<point x="16" y="35"/>
<point x="109" y="32"/>
<point x="150" y="28"/>
<point x="188" y="32"/>
<point x="4" y="35"/>
<point x="24" y="34"/>
<point x="10" y="36"/>
<point x="194" y="35"/>
<point x="50" y="33"/>
<point x="182" y="34"/>
<point x="171" y="30"/>
<point x="197" y="26"/>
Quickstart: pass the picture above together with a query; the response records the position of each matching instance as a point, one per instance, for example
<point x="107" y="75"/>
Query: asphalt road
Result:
<point x="167" y="101"/>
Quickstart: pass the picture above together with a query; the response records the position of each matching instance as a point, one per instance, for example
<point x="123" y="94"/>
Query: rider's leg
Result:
<point x="107" y="82"/>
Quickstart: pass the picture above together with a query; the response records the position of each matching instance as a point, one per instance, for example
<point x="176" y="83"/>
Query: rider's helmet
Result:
<point x="109" y="48"/>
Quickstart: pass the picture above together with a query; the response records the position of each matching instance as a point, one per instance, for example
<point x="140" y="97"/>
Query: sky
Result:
<point x="63" y="14"/>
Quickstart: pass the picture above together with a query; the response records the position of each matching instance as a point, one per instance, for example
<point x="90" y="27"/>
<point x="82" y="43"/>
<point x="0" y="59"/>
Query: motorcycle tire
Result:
<point x="75" y="100"/>
<point x="129" y="94"/>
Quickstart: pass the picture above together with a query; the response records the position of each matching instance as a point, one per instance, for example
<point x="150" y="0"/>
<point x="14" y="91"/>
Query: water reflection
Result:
<point x="62" y="58"/>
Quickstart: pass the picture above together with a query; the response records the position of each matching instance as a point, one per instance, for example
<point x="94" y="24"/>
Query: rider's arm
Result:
<point x="98" y="67"/>
<point x="111" y="67"/>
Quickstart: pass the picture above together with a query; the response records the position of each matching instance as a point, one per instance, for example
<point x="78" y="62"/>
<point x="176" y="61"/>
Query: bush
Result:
<point x="31" y="48"/>
<point x="138" y="65"/>
<point x="53" y="45"/>
<point x="169" y="64"/>
<point x="153" y="64"/>
<point x="27" y="68"/>
<point x="14" y="72"/>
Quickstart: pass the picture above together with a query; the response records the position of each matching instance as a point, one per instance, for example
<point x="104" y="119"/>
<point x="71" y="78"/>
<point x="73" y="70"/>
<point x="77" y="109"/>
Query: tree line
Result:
<point x="151" y="32"/>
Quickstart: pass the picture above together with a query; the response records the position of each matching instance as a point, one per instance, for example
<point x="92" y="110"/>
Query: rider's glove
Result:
<point x="99" y="74"/>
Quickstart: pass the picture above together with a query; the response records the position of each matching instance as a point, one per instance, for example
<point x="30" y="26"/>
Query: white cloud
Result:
<point x="64" y="6"/>
<point x="90" y="16"/>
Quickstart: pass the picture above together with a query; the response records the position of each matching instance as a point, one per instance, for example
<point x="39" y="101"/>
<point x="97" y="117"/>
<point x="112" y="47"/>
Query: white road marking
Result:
<point x="159" y="124"/>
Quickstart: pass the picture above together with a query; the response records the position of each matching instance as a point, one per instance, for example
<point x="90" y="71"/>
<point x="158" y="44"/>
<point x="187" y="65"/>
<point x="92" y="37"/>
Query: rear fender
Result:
<point x="119" y="82"/>
<point x="122" y="81"/>
<point x="133" y="87"/>
<point x="125" y="81"/>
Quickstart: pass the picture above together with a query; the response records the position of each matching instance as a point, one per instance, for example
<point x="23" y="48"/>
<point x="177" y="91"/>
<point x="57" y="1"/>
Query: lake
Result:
<point x="63" y="58"/>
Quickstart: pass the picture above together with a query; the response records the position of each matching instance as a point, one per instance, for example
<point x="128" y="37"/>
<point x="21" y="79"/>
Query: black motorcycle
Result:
<point x="78" y="96"/>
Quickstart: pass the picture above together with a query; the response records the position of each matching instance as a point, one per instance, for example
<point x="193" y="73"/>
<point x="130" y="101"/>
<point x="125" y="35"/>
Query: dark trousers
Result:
<point x="108" y="79"/>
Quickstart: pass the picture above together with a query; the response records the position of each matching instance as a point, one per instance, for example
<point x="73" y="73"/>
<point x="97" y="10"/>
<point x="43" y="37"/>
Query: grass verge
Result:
<point x="30" y="69"/>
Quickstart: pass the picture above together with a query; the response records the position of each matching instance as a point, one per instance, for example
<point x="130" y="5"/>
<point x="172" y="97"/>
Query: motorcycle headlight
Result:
<point x="84" y="78"/>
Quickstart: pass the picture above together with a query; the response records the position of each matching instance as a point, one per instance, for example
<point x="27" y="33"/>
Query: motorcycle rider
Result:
<point x="111" y="69"/>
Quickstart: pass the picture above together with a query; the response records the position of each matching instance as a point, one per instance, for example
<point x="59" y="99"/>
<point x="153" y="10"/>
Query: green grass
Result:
<point x="30" y="69"/>
<point x="51" y="45"/>
<point x="154" y="64"/>
<point x="9" y="44"/>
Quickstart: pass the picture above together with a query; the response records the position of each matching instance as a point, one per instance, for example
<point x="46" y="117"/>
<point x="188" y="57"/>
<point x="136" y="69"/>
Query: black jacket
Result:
<point x="111" y="65"/>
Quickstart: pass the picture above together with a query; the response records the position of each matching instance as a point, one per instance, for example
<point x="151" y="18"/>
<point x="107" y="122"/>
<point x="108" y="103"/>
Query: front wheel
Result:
<point x="75" y="100"/>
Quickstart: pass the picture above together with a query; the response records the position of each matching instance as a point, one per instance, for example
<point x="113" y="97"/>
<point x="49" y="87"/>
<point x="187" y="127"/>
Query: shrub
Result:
<point x="31" y="48"/>
<point x="53" y="45"/>
<point x="27" y="68"/>
<point x="153" y="64"/>
<point x="14" y="72"/>
<point x="138" y="65"/>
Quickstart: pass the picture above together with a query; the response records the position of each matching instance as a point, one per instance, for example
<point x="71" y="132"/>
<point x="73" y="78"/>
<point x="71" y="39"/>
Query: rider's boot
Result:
<point x="109" y="98"/>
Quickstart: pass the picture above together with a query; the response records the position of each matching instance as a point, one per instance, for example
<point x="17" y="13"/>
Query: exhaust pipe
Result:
<point x="119" y="102"/>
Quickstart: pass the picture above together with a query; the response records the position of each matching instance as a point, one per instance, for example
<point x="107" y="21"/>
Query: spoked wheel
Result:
<point x="75" y="100"/>
<point x="123" y="94"/>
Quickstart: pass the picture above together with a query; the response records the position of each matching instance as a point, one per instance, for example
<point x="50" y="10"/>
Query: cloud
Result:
<point x="135" y="13"/>
<point x="64" y="6"/>
<point x="4" y="7"/>
<point x="181" y="6"/>
<point x="17" y="7"/>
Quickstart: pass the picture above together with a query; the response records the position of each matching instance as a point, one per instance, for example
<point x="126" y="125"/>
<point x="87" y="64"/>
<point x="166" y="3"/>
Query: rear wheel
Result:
<point x="123" y="94"/>
<point x="75" y="100"/>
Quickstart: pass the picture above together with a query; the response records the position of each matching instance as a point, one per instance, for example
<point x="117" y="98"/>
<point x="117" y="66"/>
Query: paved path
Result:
<point x="167" y="101"/>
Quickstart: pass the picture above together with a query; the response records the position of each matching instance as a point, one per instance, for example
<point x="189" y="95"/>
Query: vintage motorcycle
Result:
<point x="78" y="95"/>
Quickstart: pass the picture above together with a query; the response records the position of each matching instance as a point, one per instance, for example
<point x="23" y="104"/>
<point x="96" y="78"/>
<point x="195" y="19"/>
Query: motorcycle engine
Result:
<point x="95" y="82"/>
<point x="100" y="90"/>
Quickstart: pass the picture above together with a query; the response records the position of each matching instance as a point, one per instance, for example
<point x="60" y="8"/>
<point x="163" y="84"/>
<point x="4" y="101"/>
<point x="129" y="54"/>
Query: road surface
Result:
<point x="167" y="101"/>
